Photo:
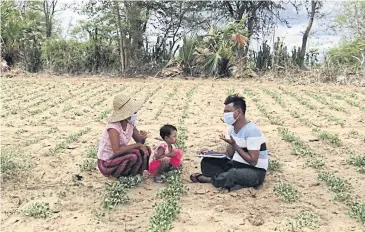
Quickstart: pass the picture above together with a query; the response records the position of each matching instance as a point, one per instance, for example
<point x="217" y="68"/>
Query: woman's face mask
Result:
<point x="229" y="118"/>
<point x="133" y="118"/>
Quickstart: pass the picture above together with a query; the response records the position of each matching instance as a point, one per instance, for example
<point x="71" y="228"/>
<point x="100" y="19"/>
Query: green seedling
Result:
<point x="77" y="113"/>
<point x="287" y="135"/>
<point x="315" y="163"/>
<point x="88" y="165"/>
<point x="38" y="210"/>
<point x="357" y="211"/>
<point x="359" y="162"/>
<point x="21" y="131"/>
<point x="12" y="164"/>
<point x="71" y="138"/>
<point x="230" y="92"/>
<point x="130" y="181"/>
<point x="104" y="114"/>
<point x="336" y="184"/>
<point x="306" y="219"/>
<point x="116" y="193"/>
<point x="301" y="221"/>
<point x="275" y="96"/>
<point x="286" y="192"/>
<point x="168" y="209"/>
<point x="273" y="120"/>
<point x="275" y="166"/>
<point x="332" y="139"/>
<point x="300" y="99"/>
<point x="248" y="92"/>
<point x="92" y="152"/>
<point x="162" y="105"/>
<point x="53" y="130"/>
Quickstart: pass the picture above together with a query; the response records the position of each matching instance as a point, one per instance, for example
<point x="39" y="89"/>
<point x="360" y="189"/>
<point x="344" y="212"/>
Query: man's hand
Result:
<point x="230" y="141"/>
<point x="205" y="151"/>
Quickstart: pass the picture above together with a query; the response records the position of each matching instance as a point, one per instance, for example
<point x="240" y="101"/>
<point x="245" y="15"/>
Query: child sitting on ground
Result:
<point x="165" y="156"/>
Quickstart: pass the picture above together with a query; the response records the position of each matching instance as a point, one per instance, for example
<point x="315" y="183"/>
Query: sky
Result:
<point x="319" y="39"/>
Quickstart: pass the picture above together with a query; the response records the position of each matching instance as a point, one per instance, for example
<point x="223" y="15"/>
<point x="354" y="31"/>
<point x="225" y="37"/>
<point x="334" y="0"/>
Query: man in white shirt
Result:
<point x="246" y="149"/>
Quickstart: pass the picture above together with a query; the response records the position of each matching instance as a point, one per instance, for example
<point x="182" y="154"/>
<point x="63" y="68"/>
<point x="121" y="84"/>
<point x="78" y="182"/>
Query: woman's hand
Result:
<point x="143" y="134"/>
<point x="144" y="149"/>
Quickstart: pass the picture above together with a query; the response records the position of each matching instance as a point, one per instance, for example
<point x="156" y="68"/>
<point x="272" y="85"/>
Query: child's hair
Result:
<point x="166" y="130"/>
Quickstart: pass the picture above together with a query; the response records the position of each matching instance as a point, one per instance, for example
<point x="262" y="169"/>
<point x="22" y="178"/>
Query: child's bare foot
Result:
<point x="145" y="174"/>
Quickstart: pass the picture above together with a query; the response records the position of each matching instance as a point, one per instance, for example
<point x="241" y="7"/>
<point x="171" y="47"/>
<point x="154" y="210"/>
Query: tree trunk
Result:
<point x="306" y="33"/>
<point x="120" y="41"/>
<point x="49" y="10"/>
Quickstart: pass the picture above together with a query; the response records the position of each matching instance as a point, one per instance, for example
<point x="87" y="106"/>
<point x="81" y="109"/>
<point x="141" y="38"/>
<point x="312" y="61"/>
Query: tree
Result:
<point x="260" y="15"/>
<point x="172" y="20"/>
<point x="21" y="34"/>
<point x="48" y="9"/>
<point x="12" y="24"/>
<point x="314" y="8"/>
<point x="351" y="18"/>
<point x="351" y="22"/>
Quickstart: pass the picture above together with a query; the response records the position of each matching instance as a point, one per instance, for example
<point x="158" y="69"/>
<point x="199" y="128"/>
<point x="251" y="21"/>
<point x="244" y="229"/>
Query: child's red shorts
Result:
<point x="175" y="161"/>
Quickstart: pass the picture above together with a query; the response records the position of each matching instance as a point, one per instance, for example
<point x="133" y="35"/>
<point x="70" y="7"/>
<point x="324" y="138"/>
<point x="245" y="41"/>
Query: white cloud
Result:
<point x="320" y="38"/>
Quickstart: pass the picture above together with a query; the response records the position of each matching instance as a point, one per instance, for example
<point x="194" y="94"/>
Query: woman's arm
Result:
<point x="117" y="148"/>
<point x="138" y="136"/>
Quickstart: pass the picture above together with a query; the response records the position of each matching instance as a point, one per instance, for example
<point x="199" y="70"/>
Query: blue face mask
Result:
<point x="133" y="118"/>
<point x="229" y="118"/>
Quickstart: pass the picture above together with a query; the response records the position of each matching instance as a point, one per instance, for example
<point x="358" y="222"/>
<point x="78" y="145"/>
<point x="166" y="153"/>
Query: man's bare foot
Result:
<point x="200" y="178"/>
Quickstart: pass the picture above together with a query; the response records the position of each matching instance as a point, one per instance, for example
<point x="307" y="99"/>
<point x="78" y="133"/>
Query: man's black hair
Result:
<point x="238" y="102"/>
<point x="166" y="130"/>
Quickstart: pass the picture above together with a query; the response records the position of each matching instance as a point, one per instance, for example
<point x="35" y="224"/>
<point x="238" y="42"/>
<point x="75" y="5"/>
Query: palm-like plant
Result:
<point x="186" y="53"/>
<point x="215" y="52"/>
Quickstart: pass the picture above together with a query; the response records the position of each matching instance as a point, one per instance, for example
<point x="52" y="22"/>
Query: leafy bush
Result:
<point x="38" y="210"/>
<point x="286" y="192"/>
<point x="12" y="163"/>
<point x="347" y="51"/>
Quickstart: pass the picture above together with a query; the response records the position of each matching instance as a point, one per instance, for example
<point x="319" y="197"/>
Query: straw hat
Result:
<point x="124" y="107"/>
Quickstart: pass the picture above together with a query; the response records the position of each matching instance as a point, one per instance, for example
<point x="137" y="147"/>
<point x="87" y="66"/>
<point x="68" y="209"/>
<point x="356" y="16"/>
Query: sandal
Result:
<point x="160" y="179"/>
<point x="195" y="178"/>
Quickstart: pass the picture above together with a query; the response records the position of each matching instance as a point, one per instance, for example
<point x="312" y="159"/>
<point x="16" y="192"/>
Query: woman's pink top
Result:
<point x="105" y="151"/>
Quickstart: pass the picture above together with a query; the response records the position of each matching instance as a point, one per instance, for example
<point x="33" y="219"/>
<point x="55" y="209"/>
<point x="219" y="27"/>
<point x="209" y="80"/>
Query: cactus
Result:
<point x="263" y="57"/>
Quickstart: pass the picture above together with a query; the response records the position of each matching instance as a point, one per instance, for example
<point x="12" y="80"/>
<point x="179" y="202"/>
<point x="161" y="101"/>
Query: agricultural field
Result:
<point x="50" y="128"/>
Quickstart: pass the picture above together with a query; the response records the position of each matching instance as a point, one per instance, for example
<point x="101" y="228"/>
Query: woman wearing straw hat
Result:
<point x="116" y="157"/>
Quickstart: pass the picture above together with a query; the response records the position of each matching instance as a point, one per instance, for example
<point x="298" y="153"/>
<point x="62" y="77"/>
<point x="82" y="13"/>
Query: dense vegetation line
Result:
<point x="345" y="98"/>
<point x="284" y="191"/>
<point x="168" y="208"/>
<point x="162" y="105"/>
<point x="334" y="183"/>
<point x="306" y="103"/>
<point x="341" y="188"/>
<point x="56" y="103"/>
<point x="325" y="136"/>
<point x="70" y="139"/>
<point x="330" y="104"/>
